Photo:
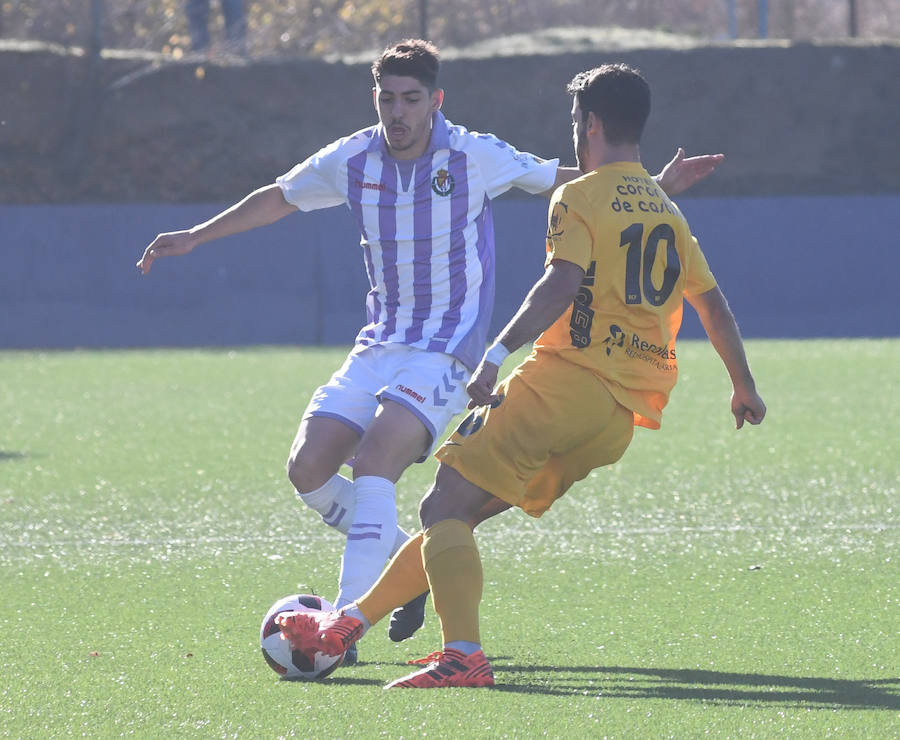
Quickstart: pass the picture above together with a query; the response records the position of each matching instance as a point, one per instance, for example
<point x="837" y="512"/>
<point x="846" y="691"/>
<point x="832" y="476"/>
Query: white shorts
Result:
<point x="430" y="384"/>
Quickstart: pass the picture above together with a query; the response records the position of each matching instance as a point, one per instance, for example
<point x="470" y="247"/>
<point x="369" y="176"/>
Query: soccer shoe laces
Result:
<point x="430" y="658"/>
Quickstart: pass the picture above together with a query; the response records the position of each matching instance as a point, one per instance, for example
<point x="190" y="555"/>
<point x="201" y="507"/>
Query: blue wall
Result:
<point x="791" y="267"/>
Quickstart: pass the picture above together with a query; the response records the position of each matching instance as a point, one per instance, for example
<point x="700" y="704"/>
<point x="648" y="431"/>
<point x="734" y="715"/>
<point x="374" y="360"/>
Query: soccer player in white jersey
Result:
<point x="420" y="189"/>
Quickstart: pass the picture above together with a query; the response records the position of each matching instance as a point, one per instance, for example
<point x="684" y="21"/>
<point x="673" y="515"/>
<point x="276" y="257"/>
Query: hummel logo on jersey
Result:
<point x="371" y="185"/>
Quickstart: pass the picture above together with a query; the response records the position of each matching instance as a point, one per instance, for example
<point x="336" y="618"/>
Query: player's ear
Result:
<point x="375" y="96"/>
<point x="437" y="99"/>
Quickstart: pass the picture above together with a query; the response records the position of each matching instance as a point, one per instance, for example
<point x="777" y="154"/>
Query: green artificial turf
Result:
<point x="713" y="583"/>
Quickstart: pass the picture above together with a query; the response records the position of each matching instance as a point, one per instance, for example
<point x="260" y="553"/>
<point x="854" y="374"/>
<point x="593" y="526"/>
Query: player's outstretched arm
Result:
<point x="677" y="176"/>
<point x="552" y="294"/>
<point x="723" y="333"/>
<point x="261" y="207"/>
<point x="563" y="175"/>
<point x="683" y="172"/>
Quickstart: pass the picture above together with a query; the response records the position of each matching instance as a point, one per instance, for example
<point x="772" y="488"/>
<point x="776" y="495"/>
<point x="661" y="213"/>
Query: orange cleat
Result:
<point x="449" y="668"/>
<point x="331" y="633"/>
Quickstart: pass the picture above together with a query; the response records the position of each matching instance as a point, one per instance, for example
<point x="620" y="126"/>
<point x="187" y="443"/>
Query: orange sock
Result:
<point x="453" y="565"/>
<point x="402" y="580"/>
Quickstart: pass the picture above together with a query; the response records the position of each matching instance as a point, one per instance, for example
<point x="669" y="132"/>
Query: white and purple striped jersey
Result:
<point x="426" y="226"/>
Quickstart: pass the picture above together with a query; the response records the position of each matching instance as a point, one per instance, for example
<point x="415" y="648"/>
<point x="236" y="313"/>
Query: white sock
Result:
<point x="353" y="611"/>
<point x="334" y="501"/>
<point x="336" y="504"/>
<point x="371" y="538"/>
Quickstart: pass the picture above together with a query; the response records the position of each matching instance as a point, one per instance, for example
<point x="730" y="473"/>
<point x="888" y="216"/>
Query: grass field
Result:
<point x="712" y="584"/>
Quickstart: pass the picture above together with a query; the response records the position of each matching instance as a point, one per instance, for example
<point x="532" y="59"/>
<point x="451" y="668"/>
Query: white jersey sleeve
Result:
<point x="315" y="182"/>
<point x="504" y="167"/>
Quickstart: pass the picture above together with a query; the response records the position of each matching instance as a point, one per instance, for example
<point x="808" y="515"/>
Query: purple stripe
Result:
<point x="334" y="515"/>
<point x="422" y="210"/>
<point x="357" y="525"/>
<point x="373" y="305"/>
<point x="459" y="209"/>
<point x="387" y="237"/>
<point x="471" y="347"/>
<point x="366" y="536"/>
<point x="356" y="173"/>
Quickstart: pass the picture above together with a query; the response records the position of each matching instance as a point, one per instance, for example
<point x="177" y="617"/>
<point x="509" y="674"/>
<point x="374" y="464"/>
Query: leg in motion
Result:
<point x="453" y="567"/>
<point x="394" y="440"/>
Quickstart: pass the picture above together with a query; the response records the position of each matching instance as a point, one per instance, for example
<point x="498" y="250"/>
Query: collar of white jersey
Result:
<point x="440" y="136"/>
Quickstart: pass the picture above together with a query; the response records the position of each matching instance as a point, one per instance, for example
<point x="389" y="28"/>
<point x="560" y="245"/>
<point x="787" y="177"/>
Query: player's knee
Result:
<point x="306" y="474"/>
<point x="436" y="507"/>
<point x="426" y="507"/>
<point x="295" y="473"/>
<point x="453" y="497"/>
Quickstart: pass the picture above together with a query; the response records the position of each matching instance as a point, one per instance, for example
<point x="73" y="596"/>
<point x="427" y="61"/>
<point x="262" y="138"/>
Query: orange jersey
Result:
<point x="640" y="259"/>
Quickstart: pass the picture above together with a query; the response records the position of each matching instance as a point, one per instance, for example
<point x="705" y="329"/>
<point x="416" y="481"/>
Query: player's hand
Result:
<point x="171" y="244"/>
<point x="481" y="385"/>
<point x="747" y="406"/>
<point x="682" y="173"/>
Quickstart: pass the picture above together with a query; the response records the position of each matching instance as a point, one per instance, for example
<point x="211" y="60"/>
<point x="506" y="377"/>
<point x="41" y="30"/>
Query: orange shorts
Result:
<point x="555" y="423"/>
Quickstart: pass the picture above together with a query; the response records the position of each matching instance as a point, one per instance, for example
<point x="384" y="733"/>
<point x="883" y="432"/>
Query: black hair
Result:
<point x="618" y="95"/>
<point x="410" y="58"/>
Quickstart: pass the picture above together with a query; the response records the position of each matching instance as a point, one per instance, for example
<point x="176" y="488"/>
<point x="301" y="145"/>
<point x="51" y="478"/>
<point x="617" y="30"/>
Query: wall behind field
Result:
<point x="798" y="119"/>
<point x="790" y="266"/>
<point x="96" y="158"/>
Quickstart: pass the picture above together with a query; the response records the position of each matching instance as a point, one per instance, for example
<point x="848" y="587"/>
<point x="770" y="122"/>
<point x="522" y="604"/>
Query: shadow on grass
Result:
<point x="708" y="686"/>
<point x="343" y="679"/>
<point x="7" y="455"/>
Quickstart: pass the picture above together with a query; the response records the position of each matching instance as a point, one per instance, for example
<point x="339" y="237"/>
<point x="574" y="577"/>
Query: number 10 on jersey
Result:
<point x="640" y="259"/>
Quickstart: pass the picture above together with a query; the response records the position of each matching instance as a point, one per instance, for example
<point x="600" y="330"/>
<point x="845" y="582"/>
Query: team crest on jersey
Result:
<point x="556" y="229"/>
<point x="442" y="183"/>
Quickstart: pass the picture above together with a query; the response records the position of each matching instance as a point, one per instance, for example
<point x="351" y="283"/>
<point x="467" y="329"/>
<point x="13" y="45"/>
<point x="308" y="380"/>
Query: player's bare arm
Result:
<point x="680" y="174"/>
<point x="544" y="304"/>
<point x="261" y="207"/>
<point x="723" y="333"/>
<point x="683" y="172"/>
<point x="563" y="175"/>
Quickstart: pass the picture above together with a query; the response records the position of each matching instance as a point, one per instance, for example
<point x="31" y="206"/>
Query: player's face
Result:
<point x="579" y="136"/>
<point x="405" y="107"/>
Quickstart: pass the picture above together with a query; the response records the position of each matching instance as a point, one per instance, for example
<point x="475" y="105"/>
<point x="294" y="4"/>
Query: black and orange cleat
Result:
<point x="449" y="668"/>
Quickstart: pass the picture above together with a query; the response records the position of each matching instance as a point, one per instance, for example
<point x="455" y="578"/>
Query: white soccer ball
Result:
<point x="292" y="664"/>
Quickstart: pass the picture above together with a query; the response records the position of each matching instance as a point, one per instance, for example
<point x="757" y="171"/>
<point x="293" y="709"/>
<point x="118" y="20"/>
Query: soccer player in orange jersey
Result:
<point x="621" y="260"/>
<point x="420" y="189"/>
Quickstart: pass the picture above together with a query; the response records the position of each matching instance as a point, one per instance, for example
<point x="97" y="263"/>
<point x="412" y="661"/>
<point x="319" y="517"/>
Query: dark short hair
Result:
<point x="410" y="58"/>
<point x="618" y="95"/>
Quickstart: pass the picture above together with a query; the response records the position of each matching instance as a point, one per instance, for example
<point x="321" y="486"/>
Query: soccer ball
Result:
<point x="288" y="663"/>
